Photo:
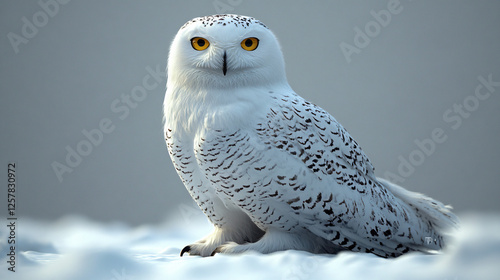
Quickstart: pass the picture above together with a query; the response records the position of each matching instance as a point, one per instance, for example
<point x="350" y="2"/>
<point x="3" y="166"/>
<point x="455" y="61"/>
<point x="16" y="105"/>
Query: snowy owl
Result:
<point x="270" y="170"/>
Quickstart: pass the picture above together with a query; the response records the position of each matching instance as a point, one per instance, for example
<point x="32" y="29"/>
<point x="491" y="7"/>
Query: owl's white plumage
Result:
<point x="270" y="170"/>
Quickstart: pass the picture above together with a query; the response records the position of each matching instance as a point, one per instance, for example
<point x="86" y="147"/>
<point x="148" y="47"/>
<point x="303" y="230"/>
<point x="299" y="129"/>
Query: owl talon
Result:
<point x="185" y="250"/>
<point x="217" y="250"/>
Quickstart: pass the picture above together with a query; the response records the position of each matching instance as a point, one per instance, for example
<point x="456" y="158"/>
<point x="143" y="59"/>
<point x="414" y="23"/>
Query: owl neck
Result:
<point x="193" y="110"/>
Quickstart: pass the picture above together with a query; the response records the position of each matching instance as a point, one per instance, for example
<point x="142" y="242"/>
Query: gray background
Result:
<point x="65" y="78"/>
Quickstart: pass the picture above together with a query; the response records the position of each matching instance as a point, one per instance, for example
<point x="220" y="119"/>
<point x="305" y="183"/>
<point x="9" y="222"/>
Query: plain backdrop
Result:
<point x="76" y="67"/>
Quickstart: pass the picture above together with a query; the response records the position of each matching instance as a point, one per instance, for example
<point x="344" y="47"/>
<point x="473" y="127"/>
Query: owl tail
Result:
<point x="438" y="214"/>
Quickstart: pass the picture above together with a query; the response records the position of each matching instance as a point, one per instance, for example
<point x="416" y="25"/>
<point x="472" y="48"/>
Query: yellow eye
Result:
<point x="199" y="43"/>
<point x="250" y="44"/>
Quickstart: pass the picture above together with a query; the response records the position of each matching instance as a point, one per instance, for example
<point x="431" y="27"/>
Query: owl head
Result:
<point x="225" y="51"/>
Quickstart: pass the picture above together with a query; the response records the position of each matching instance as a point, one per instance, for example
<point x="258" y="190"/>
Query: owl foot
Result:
<point x="229" y="248"/>
<point x="198" y="249"/>
<point x="274" y="241"/>
<point x="246" y="232"/>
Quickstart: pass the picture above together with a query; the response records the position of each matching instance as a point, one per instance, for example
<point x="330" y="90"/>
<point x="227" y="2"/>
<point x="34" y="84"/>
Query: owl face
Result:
<point x="225" y="51"/>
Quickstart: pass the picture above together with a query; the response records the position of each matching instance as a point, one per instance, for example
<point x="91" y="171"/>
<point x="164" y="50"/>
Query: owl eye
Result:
<point x="199" y="43"/>
<point x="250" y="44"/>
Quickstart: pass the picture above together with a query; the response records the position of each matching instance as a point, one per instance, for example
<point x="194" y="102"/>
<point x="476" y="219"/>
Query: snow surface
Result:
<point x="77" y="248"/>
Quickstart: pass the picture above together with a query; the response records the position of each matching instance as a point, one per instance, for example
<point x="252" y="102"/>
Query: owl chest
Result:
<point x="225" y="157"/>
<point x="241" y="170"/>
<point x="219" y="149"/>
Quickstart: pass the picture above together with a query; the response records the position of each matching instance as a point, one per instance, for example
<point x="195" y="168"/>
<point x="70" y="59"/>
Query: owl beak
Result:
<point x="224" y="64"/>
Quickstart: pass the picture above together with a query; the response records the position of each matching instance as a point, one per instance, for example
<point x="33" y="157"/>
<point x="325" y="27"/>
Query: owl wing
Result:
<point x="312" y="135"/>
<point x="343" y="202"/>
<point x="297" y="168"/>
